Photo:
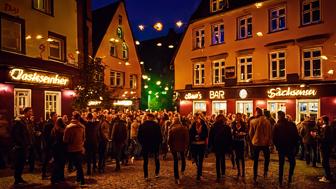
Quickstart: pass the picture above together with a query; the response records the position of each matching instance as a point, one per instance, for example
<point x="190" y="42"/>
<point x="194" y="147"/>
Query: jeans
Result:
<point x="175" y="157"/>
<point x="19" y="163"/>
<point x="220" y="164"/>
<point x="311" y="150"/>
<point x="266" y="152"/>
<point x="198" y="151"/>
<point x="101" y="155"/>
<point x="325" y="152"/>
<point x="77" y="158"/>
<point x="291" y="158"/>
<point x="145" y="163"/>
<point x="91" y="151"/>
<point x="238" y="147"/>
<point x="59" y="164"/>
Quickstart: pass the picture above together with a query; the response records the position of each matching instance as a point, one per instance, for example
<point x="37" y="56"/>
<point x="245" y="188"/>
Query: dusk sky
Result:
<point x="147" y="12"/>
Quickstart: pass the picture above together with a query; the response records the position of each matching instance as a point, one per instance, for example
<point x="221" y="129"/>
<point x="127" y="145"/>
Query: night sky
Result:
<point x="147" y="12"/>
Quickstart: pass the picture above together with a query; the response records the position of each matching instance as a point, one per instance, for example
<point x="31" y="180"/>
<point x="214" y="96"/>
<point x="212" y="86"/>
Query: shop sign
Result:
<point x="243" y="93"/>
<point x="193" y="96"/>
<point x="37" y="77"/>
<point x="220" y="94"/>
<point x="289" y="92"/>
<point x="94" y="102"/>
<point x="123" y="103"/>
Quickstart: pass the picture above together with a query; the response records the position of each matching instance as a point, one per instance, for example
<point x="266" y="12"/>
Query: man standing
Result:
<point x="48" y="142"/>
<point x="309" y="135"/>
<point x="22" y="141"/>
<point x="150" y="137"/>
<point x="261" y="136"/>
<point x="91" y="143"/>
<point x="74" y="136"/>
<point x="119" y="138"/>
<point x="285" y="139"/>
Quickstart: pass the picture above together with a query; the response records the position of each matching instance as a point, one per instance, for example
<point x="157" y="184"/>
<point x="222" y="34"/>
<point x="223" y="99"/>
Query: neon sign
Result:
<point x="217" y="94"/>
<point x="94" y="102"/>
<point x="37" y="77"/>
<point x="193" y="96"/>
<point x="278" y="92"/>
<point x="123" y="103"/>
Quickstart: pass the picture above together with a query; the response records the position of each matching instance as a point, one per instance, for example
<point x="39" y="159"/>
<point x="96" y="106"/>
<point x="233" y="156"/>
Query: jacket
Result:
<point x="285" y="136"/>
<point x="119" y="132"/>
<point x="260" y="131"/>
<point x="20" y="133"/>
<point x="326" y="137"/>
<point x="196" y="138"/>
<point x="237" y="133"/>
<point x="220" y="138"/>
<point x="308" y="127"/>
<point x="47" y="133"/>
<point x="74" y="137"/>
<point x="103" y="131"/>
<point x="149" y="136"/>
<point x="178" y="138"/>
<point x="91" y="134"/>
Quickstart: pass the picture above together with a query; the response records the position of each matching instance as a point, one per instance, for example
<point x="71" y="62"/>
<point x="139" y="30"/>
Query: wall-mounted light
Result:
<point x="258" y="5"/>
<point x="260" y="34"/>
<point x="3" y="88"/>
<point x="331" y="72"/>
<point x="39" y="37"/>
<point x="28" y="37"/>
<point x="324" y="57"/>
<point x="171" y="46"/>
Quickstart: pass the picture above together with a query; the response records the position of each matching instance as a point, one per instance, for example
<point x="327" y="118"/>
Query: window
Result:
<point x="120" y="32"/>
<point x="199" y="38"/>
<point x="133" y="81"/>
<point x="311" y="12"/>
<point x="52" y="103"/>
<point x="276" y="105"/>
<point x="244" y="69"/>
<point x="113" y="50"/>
<point x="12" y="34"/>
<point x="218" y="71"/>
<point x="124" y="51"/>
<point x="217" y="34"/>
<point x="244" y="107"/>
<point x="309" y="107"/>
<point x="312" y="67"/>
<point x="45" y="6"/>
<point x="199" y="106"/>
<point x="199" y="75"/>
<point x="219" y="106"/>
<point x="217" y="5"/>
<point x="56" y="46"/>
<point x="120" y="19"/>
<point x="22" y="99"/>
<point x="245" y="27"/>
<point x="278" y="19"/>
<point x="116" y="79"/>
<point x="278" y="65"/>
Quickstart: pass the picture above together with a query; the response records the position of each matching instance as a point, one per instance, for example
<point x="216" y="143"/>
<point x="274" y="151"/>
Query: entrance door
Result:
<point x="275" y="106"/>
<point x="22" y="99"/>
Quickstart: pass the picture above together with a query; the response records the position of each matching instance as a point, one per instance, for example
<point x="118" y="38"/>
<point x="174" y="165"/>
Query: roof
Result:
<point x="203" y="9"/>
<point x="101" y="20"/>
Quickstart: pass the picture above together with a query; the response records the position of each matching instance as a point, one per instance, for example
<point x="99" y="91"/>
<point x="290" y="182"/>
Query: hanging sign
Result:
<point x="289" y="92"/>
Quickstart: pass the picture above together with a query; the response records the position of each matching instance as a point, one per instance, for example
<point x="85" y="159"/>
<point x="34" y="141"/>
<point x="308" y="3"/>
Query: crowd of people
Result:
<point x="92" y="137"/>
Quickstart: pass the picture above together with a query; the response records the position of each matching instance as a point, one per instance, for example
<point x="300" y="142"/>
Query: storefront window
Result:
<point x="22" y="99"/>
<point x="199" y="106"/>
<point x="52" y="103"/>
<point x="244" y="107"/>
<point x="308" y="108"/>
<point x="219" y="106"/>
<point x="275" y="106"/>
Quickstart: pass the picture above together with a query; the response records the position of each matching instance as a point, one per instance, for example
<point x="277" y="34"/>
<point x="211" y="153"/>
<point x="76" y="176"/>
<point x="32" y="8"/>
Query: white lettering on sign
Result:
<point x="191" y="96"/>
<point x="278" y="92"/>
<point x="217" y="94"/>
<point x="94" y="102"/>
<point x="37" y="77"/>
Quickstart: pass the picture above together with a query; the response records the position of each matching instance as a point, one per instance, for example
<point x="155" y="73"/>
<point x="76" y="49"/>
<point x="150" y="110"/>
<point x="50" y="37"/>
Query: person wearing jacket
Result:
<point x="103" y="132"/>
<point x="48" y="143"/>
<point x="22" y="140"/>
<point x="150" y="138"/>
<point x="326" y="142"/>
<point x="261" y="137"/>
<point x="239" y="132"/>
<point x="285" y="139"/>
<point x="309" y="135"/>
<point x="178" y="141"/>
<point x="74" y="137"/>
<point x="220" y="140"/>
<point x="198" y="136"/>
<point x="91" y="143"/>
<point x="119" y="139"/>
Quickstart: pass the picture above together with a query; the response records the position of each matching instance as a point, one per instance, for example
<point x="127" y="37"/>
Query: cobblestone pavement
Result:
<point x="131" y="176"/>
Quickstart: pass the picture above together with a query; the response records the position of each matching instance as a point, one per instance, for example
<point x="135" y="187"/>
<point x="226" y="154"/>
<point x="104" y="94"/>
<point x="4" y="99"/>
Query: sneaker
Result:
<point x="325" y="180"/>
<point x="177" y="181"/>
<point x="157" y="175"/>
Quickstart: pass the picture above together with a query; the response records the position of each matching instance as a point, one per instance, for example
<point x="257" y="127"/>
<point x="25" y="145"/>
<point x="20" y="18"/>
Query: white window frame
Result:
<point x="199" y="38"/>
<point x="221" y="71"/>
<point x="311" y="59"/>
<point x="45" y="6"/>
<point x="311" y="10"/>
<point x="200" y="70"/>
<point x="114" y="46"/>
<point x="115" y="75"/>
<point x="245" y="26"/>
<point x="125" y="54"/>
<point x="58" y="107"/>
<point x="218" y="101"/>
<point x="277" y="19"/>
<point x="246" y="64"/>
<point x="61" y="48"/>
<point x="277" y="59"/>
<point x="298" y="101"/>
<point x="199" y="101"/>
<point x="133" y="81"/>
<point x="29" y="101"/>
<point x="244" y="102"/>
<point x="276" y="101"/>
<point x="220" y="29"/>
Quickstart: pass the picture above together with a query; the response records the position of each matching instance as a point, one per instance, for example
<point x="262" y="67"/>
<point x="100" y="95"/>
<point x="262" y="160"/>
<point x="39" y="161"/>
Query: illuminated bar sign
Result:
<point x="123" y="103"/>
<point x="217" y="94"/>
<point x="37" y="77"/>
<point x="94" y="102"/>
<point x="193" y="96"/>
<point x="289" y="92"/>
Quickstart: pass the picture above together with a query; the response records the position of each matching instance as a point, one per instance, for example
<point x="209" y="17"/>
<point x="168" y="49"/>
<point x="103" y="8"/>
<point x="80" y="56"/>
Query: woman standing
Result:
<point x="239" y="133"/>
<point x="198" y="135"/>
<point x="58" y="151"/>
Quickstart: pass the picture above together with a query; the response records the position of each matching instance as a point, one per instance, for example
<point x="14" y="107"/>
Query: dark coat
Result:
<point x="236" y="132"/>
<point x="149" y="136"/>
<point x="91" y="134"/>
<point x="308" y="127"/>
<point x="20" y="134"/>
<point x="47" y="133"/>
<point x="285" y="136"/>
<point x="194" y="136"/>
<point x="178" y="138"/>
<point x="326" y="137"/>
<point x="119" y="133"/>
<point x="58" y="146"/>
<point x="220" y="138"/>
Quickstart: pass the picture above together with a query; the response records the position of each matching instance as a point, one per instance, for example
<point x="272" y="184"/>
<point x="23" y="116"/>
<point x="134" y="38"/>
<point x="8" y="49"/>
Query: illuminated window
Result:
<point x="218" y="71"/>
<point x="308" y="107"/>
<point x="52" y="103"/>
<point x="56" y="47"/>
<point x="45" y="6"/>
<point x="199" y="75"/>
<point x="244" y="107"/>
<point x="219" y="106"/>
<point x="245" y="27"/>
<point x="22" y="99"/>
<point x="312" y="63"/>
<point x="133" y="81"/>
<point x="116" y="79"/>
<point x="12" y="33"/>
<point x="120" y="33"/>
<point x="217" y="34"/>
<point x="199" y="38"/>
<point x="278" y="65"/>
<point x="113" y="50"/>
<point x="278" y="19"/>
<point x="217" y="5"/>
<point x="124" y="51"/>
<point x="199" y="106"/>
<point x="244" y="69"/>
<point x="311" y="12"/>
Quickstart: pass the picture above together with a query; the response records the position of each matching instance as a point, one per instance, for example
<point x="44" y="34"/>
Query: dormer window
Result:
<point x="217" y="5"/>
